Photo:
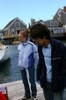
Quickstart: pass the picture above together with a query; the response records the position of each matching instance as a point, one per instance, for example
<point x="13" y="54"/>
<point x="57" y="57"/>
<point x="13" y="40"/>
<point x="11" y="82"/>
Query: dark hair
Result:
<point x="39" y="31"/>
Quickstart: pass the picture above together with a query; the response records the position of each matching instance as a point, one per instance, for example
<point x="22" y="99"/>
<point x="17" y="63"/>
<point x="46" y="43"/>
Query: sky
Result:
<point x="28" y="9"/>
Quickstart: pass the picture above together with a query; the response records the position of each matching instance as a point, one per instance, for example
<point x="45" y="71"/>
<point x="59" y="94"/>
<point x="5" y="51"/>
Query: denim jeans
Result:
<point x="49" y="95"/>
<point x="29" y="91"/>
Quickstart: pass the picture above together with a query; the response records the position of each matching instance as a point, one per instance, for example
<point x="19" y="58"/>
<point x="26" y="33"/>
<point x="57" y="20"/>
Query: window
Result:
<point x="55" y="23"/>
<point x="51" y="23"/>
<point x="17" y="24"/>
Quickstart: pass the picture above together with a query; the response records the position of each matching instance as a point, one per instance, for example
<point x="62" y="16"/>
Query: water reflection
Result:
<point x="9" y="70"/>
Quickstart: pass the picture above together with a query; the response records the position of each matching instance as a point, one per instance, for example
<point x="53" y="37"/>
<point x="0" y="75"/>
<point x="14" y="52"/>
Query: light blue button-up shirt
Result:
<point x="47" y="57"/>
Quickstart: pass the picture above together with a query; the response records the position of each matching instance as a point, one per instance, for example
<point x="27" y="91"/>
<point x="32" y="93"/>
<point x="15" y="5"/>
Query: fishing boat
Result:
<point x="4" y="53"/>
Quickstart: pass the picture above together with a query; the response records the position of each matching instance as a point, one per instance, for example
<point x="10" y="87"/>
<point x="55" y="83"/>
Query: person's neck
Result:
<point x="24" y="40"/>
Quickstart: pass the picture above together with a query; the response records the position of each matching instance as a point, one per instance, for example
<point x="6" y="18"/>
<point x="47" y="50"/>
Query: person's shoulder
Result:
<point x="59" y="43"/>
<point x="56" y="41"/>
<point x="34" y="46"/>
<point x="31" y="43"/>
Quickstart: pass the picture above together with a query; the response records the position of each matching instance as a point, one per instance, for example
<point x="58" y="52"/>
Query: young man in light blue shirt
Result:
<point x="51" y="70"/>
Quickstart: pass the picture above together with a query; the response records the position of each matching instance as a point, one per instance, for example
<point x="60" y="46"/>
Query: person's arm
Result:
<point x="63" y="61"/>
<point x="35" y="55"/>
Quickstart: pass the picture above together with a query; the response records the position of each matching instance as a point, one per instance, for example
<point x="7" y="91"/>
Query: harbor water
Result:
<point x="9" y="70"/>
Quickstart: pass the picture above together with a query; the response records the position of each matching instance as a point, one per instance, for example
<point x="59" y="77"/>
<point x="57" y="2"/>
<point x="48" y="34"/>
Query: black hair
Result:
<point x="39" y="31"/>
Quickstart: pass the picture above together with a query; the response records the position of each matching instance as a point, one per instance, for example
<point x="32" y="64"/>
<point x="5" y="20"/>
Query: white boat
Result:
<point x="4" y="53"/>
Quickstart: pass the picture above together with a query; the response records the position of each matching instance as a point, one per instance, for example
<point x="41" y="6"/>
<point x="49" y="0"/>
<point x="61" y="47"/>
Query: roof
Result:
<point x="12" y="21"/>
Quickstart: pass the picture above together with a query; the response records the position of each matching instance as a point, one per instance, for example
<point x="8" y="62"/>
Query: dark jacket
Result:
<point x="58" y="61"/>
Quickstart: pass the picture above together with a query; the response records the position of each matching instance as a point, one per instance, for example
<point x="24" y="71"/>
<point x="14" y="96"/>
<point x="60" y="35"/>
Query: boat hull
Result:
<point x="4" y="54"/>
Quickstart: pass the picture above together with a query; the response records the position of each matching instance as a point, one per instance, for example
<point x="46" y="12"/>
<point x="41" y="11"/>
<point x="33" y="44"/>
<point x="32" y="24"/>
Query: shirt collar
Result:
<point x="49" y="45"/>
<point x="25" y="43"/>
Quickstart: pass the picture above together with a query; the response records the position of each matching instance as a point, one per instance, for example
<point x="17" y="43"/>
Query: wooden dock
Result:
<point x="16" y="90"/>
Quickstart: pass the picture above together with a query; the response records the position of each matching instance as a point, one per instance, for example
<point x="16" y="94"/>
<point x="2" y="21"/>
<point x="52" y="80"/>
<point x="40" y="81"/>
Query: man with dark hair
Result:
<point x="51" y="70"/>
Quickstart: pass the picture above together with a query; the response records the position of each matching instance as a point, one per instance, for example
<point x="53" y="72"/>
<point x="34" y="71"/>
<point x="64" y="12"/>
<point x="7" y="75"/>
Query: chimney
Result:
<point x="64" y="8"/>
<point x="32" y="21"/>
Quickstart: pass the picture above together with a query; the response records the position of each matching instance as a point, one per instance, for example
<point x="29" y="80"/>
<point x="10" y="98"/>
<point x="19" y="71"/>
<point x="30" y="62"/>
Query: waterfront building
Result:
<point x="12" y="28"/>
<point x="57" y="25"/>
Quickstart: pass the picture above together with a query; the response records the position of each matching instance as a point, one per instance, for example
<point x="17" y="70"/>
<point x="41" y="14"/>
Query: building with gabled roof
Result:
<point x="58" y="23"/>
<point x="13" y="27"/>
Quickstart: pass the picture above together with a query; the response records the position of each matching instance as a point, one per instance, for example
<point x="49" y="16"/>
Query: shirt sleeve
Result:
<point x="35" y="55"/>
